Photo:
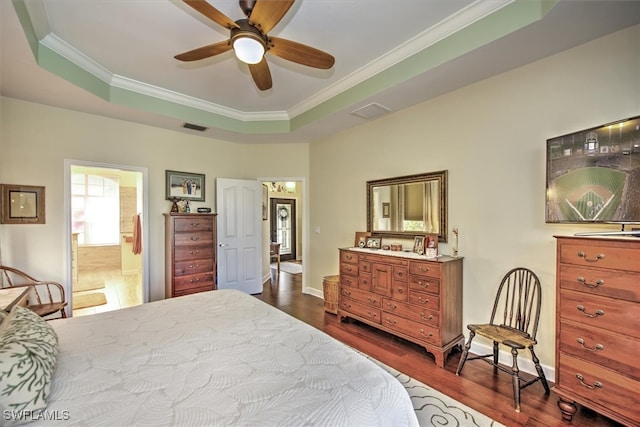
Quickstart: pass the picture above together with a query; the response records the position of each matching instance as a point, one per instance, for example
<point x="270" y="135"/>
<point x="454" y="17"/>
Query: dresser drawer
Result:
<point x="349" y="281"/>
<point x="192" y="281"/>
<point x="422" y="315"/>
<point x="349" y="269"/>
<point x="413" y="329"/>
<point x="600" y="312"/>
<point x="426" y="284"/>
<point x="183" y="268"/>
<point x="348" y="257"/>
<point x="360" y="310"/>
<point x="364" y="282"/>
<point x="193" y="238"/>
<point x="186" y="253"/>
<point x="363" y="297"/>
<point x="610" y="283"/>
<point x="595" y="383"/>
<point x="193" y="224"/>
<point x="600" y="254"/>
<point x="431" y="269"/>
<point x="424" y="300"/>
<point x="606" y="348"/>
<point x="400" y="273"/>
<point x="364" y="267"/>
<point x="400" y="291"/>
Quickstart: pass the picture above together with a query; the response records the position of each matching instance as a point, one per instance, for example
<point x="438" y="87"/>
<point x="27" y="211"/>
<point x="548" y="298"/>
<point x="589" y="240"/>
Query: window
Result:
<point x="95" y="209"/>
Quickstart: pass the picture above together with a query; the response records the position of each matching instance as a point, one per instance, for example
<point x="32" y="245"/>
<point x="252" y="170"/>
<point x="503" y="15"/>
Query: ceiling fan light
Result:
<point x="248" y="49"/>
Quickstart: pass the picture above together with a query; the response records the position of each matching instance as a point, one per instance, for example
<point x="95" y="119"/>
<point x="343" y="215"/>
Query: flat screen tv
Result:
<point x="593" y="176"/>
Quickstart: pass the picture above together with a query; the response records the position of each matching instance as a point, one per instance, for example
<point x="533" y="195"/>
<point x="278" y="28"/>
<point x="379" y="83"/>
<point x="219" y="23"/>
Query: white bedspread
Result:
<point x="215" y="358"/>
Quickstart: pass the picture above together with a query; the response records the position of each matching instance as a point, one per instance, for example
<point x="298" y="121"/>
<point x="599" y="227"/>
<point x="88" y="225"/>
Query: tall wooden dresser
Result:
<point x="190" y="253"/>
<point x="405" y="294"/>
<point x="598" y="326"/>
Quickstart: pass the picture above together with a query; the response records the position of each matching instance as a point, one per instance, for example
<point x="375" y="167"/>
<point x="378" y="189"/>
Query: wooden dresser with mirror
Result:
<point x="405" y="294"/>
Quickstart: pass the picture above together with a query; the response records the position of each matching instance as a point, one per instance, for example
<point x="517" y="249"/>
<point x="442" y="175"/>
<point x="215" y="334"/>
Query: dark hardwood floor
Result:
<point x="477" y="387"/>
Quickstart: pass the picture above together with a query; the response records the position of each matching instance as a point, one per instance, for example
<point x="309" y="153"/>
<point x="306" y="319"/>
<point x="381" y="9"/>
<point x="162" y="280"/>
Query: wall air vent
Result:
<point x="194" y="127"/>
<point x="371" y="111"/>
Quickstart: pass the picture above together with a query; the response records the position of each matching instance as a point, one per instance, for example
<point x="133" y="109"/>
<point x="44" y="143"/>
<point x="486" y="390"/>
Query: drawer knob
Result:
<point x="346" y="292"/>
<point x="195" y="224"/>
<point x="195" y="238"/>
<point x="596" y="259"/>
<point x="423" y="285"/>
<point x="594" y="348"/>
<point x="595" y="385"/>
<point x="423" y="301"/>
<point x="399" y="290"/>
<point x="372" y="300"/>
<point x="429" y="335"/>
<point x="422" y="316"/>
<point x="596" y="314"/>
<point x="391" y="306"/>
<point x="372" y="315"/>
<point x="425" y="269"/>
<point x="391" y="321"/>
<point x="583" y="282"/>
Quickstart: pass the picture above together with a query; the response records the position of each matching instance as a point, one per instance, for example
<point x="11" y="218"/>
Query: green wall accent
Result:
<point x="506" y="20"/>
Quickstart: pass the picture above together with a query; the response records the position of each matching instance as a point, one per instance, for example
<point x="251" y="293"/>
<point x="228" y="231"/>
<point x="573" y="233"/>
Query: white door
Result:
<point x="239" y="208"/>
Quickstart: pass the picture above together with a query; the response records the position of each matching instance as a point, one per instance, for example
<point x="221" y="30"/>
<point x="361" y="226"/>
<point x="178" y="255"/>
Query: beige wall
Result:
<point x="35" y="139"/>
<point x="490" y="136"/>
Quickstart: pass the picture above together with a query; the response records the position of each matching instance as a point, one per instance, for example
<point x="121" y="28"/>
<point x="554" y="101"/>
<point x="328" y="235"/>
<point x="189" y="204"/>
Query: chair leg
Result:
<point x="541" y="375"/>
<point x="495" y="356"/>
<point x="515" y="378"/>
<point x="465" y="353"/>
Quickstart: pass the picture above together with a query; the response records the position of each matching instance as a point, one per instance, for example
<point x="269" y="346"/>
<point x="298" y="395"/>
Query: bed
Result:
<point x="213" y="358"/>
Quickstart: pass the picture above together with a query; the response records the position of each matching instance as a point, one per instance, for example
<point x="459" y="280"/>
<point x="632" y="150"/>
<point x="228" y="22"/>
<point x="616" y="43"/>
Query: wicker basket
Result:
<point x="330" y="285"/>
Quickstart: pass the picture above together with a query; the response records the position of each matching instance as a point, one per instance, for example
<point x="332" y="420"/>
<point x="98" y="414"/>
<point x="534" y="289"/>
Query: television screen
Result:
<point x="593" y="176"/>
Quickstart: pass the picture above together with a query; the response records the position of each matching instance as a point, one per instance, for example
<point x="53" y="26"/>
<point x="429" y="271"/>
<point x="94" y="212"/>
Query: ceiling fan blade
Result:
<point x="261" y="74"/>
<point x="204" y="51"/>
<point x="267" y="13"/>
<point x="212" y="13"/>
<point x="300" y="53"/>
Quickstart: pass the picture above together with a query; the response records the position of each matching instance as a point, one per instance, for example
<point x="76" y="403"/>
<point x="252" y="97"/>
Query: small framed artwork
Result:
<point x="386" y="210"/>
<point x="373" y="242"/>
<point x="431" y="245"/>
<point x="418" y="245"/>
<point x="22" y="204"/>
<point x="361" y="238"/>
<point x="265" y="201"/>
<point x="184" y="185"/>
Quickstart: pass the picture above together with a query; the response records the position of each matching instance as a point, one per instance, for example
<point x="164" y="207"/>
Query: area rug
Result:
<point x="88" y="285"/>
<point x="289" y="267"/>
<point x="436" y="409"/>
<point x="88" y="300"/>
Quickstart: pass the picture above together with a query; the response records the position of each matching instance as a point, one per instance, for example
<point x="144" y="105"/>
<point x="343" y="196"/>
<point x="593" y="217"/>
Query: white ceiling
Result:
<point x="131" y="43"/>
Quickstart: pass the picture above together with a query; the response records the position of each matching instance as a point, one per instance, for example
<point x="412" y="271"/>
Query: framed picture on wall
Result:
<point x="22" y="204"/>
<point x="418" y="245"/>
<point x="184" y="185"/>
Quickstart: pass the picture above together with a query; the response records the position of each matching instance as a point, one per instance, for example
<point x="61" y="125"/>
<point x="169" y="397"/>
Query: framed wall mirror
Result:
<point x="407" y="206"/>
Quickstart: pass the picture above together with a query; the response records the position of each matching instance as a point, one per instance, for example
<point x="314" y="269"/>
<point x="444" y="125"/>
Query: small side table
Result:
<point x="10" y="297"/>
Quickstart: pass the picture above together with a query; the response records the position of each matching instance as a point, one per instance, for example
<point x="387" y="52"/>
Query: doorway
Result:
<point x="283" y="227"/>
<point x="106" y="211"/>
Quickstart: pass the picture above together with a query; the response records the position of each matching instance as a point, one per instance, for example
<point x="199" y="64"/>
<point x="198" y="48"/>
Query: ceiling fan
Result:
<point x="250" y="41"/>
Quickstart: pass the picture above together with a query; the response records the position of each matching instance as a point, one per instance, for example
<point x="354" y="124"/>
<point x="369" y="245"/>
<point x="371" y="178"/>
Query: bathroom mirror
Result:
<point x="407" y="206"/>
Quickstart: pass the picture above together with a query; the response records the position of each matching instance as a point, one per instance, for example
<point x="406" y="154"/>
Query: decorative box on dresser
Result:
<point x="190" y="253"/>
<point x="405" y="294"/>
<point x="598" y="326"/>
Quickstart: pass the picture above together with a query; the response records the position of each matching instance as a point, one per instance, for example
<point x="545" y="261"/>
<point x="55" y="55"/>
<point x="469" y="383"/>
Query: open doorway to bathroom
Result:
<point x="106" y="215"/>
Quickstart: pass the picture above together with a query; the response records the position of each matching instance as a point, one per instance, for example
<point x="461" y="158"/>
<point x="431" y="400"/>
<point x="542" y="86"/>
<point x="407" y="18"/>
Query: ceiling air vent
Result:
<point x="371" y="111"/>
<point x="194" y="127"/>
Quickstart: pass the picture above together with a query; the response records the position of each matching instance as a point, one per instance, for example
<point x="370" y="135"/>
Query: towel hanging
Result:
<point x="137" y="235"/>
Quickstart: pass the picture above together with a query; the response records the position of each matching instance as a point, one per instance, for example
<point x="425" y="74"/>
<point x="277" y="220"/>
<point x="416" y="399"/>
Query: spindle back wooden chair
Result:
<point x="46" y="297"/>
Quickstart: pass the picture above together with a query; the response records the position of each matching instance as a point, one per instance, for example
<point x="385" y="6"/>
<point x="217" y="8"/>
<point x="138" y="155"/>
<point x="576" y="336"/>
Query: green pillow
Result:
<point x="28" y="355"/>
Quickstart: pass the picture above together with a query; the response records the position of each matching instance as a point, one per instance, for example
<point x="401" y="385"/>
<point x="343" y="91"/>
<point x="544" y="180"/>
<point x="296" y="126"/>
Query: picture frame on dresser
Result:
<point x="418" y="245"/>
<point x="22" y="204"/>
<point x="185" y="185"/>
<point x="373" y="242"/>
